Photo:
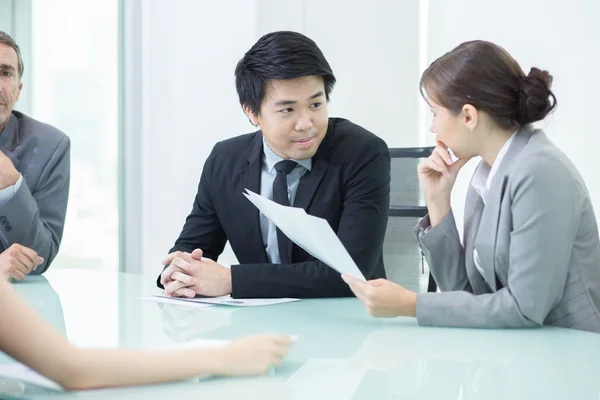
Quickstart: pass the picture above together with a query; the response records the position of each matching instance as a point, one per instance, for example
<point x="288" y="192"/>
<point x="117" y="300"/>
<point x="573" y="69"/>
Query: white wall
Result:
<point x="189" y="51"/>
<point x="561" y="37"/>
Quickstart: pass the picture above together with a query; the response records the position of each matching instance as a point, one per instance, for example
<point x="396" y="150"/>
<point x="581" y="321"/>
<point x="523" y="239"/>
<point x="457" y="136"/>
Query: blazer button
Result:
<point x="3" y="219"/>
<point x="8" y="228"/>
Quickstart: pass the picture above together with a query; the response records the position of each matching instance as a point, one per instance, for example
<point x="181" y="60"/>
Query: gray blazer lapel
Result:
<point x="473" y="211"/>
<point x="485" y="242"/>
<point x="9" y="139"/>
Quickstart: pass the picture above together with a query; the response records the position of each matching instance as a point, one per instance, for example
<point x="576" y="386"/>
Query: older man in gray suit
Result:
<point x="34" y="178"/>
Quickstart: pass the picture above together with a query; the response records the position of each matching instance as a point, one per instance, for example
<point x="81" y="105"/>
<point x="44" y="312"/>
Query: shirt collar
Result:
<point x="273" y="158"/>
<point x="484" y="174"/>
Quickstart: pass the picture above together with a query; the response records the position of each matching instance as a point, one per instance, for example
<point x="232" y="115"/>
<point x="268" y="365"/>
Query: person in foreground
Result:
<point x="531" y="254"/>
<point x="330" y="167"/>
<point x="27" y="338"/>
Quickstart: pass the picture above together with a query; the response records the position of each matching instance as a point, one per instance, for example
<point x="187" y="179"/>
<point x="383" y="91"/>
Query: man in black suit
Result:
<point x="330" y="167"/>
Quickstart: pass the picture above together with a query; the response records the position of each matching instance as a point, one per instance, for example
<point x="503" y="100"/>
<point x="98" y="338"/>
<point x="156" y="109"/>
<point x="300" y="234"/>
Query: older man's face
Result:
<point x="10" y="82"/>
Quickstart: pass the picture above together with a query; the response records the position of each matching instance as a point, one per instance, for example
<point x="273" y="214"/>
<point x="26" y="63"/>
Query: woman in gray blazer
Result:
<point x="530" y="254"/>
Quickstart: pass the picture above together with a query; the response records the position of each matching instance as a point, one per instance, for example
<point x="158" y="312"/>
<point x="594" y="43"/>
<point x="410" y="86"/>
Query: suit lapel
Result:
<point x="306" y="191"/>
<point x="9" y="139"/>
<point x="311" y="179"/>
<point x="250" y="179"/>
<point x="309" y="183"/>
<point x="473" y="210"/>
<point x="307" y="187"/>
<point x="486" y="239"/>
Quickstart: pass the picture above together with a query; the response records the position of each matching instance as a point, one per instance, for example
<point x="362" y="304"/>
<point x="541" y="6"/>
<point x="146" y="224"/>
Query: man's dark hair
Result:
<point x="279" y="55"/>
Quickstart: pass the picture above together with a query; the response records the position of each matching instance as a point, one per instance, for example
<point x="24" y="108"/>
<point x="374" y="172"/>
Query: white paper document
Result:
<point x="311" y="233"/>
<point x="174" y="300"/>
<point x="221" y="300"/>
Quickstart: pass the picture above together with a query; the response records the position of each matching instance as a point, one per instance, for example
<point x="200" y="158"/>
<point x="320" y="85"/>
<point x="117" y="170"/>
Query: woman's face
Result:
<point x="452" y="130"/>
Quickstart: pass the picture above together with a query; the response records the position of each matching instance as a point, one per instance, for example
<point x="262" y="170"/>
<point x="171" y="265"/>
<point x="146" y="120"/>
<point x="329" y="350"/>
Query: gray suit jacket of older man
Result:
<point x="537" y="243"/>
<point x="34" y="217"/>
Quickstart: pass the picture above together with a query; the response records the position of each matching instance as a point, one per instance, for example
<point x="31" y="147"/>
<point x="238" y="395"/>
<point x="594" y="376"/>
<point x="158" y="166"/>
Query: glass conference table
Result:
<point x="341" y="352"/>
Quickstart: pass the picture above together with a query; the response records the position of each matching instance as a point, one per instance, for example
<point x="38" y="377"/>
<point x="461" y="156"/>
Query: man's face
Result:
<point x="10" y="82"/>
<point x="293" y="116"/>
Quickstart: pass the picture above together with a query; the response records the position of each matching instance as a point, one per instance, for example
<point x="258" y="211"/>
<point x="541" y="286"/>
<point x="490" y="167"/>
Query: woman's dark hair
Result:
<point x="484" y="75"/>
<point x="279" y="55"/>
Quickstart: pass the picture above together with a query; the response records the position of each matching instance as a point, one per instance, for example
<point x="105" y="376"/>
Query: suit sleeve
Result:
<point x="8" y="193"/>
<point x="36" y="219"/>
<point x="444" y="253"/>
<point x="546" y="207"/>
<point x="361" y="230"/>
<point x="202" y="229"/>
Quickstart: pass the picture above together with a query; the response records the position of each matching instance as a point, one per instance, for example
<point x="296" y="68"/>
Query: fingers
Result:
<point x="169" y="257"/>
<point x="180" y="266"/>
<point x="438" y="158"/>
<point x="21" y="263"/>
<point x="349" y="279"/>
<point x="30" y="255"/>
<point x="442" y="151"/>
<point x="165" y="277"/>
<point x="167" y="260"/>
<point x="181" y="277"/>
<point x="22" y="258"/>
<point x="25" y="264"/>
<point x="15" y="274"/>
<point x="364" y="291"/>
<point x="428" y="165"/>
<point x="359" y="292"/>
<point x="184" y="292"/>
<point x="197" y="254"/>
<point x="281" y="350"/>
<point x="183" y="264"/>
<point x="281" y="340"/>
<point x="173" y="286"/>
<point x="278" y="346"/>
<point x="355" y="284"/>
<point x="275" y="360"/>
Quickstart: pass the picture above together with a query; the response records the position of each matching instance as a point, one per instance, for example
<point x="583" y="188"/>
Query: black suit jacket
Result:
<point x="349" y="186"/>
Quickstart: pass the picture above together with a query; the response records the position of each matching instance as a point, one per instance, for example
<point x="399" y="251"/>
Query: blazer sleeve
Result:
<point x="37" y="218"/>
<point x="546" y="203"/>
<point x="444" y="253"/>
<point x="202" y="228"/>
<point x="361" y="230"/>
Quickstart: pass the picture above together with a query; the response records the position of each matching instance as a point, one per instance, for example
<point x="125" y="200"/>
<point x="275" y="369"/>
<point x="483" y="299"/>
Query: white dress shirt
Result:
<point x="481" y="183"/>
<point x="267" y="177"/>
<point x="8" y="193"/>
